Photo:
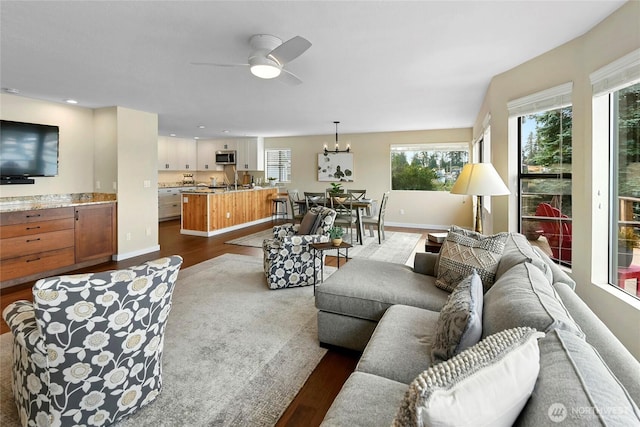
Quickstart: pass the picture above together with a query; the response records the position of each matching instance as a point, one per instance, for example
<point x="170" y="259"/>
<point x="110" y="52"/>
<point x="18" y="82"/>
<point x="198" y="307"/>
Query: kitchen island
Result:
<point x="209" y="212"/>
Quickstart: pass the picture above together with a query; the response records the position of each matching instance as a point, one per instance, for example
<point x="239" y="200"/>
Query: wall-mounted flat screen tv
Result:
<point x="28" y="149"/>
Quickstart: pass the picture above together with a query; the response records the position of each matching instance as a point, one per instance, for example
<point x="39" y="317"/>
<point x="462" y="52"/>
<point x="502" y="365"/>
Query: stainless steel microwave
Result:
<point x="226" y="157"/>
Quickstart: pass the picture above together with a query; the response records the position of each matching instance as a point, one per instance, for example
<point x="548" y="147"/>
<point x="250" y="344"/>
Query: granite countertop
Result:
<point x="26" y="203"/>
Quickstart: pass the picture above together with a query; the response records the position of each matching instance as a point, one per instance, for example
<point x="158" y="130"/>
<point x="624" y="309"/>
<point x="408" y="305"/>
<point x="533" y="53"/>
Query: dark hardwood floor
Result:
<point x="314" y="399"/>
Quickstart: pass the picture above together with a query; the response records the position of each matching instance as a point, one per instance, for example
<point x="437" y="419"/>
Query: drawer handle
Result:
<point x="32" y="260"/>
<point x="32" y="240"/>
<point x="33" y="216"/>
<point x="33" y="228"/>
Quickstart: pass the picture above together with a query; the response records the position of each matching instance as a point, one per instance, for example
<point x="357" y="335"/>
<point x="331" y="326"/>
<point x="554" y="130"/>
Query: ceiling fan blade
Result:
<point x="291" y="49"/>
<point x="212" y="64"/>
<point x="289" y="78"/>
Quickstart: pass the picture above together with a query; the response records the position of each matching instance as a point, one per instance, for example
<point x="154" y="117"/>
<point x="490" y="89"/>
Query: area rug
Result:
<point x="397" y="246"/>
<point x="236" y="352"/>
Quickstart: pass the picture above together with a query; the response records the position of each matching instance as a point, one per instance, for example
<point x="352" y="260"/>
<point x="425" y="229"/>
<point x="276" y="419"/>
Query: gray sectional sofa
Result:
<point x="389" y="312"/>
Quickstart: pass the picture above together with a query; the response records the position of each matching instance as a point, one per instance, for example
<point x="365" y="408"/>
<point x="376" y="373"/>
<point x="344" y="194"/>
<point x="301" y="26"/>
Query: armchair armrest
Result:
<point x="304" y="240"/>
<point x="426" y="263"/>
<point x="20" y="316"/>
<point x="283" y="230"/>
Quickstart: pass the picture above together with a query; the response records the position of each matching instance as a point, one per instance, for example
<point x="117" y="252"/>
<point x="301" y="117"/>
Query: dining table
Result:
<point x="358" y="205"/>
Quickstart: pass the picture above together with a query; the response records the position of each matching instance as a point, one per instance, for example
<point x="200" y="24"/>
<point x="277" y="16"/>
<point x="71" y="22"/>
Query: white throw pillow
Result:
<point x="485" y="385"/>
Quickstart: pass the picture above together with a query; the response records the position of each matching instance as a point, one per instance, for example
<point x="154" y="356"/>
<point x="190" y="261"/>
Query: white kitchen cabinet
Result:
<point x="176" y="154"/>
<point x="169" y="203"/>
<point x="207" y="155"/>
<point x="250" y="154"/>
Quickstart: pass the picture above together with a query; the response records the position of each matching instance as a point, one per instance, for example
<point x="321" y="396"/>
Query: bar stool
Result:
<point x="279" y="206"/>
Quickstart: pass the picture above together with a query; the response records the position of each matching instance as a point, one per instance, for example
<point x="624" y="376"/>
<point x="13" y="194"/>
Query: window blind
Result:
<point x="279" y="164"/>
<point x="549" y="99"/>
<point x="617" y="75"/>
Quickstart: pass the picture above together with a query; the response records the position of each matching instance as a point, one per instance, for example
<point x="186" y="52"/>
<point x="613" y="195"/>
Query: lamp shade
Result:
<point x="479" y="179"/>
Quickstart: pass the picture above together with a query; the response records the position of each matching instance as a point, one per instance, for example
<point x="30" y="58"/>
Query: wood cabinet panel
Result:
<point x="30" y="228"/>
<point x="94" y="232"/>
<point x="9" y="218"/>
<point x="194" y="212"/>
<point x="35" y="243"/>
<point x="15" y="268"/>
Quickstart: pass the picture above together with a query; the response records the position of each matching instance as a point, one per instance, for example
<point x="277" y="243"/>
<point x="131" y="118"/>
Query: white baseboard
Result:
<point x="223" y="230"/>
<point x="120" y="257"/>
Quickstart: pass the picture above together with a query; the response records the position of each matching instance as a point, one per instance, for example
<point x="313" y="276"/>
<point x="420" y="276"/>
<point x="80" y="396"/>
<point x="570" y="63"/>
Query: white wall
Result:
<point x="372" y="171"/>
<point x="616" y="36"/>
<point x="75" y="161"/>
<point x="137" y="142"/>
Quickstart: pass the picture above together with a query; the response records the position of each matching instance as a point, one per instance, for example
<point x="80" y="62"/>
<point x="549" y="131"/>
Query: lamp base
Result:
<point x="478" y="228"/>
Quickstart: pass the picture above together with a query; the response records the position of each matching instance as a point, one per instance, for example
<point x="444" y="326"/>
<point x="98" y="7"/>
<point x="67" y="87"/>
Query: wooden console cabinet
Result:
<point x="43" y="242"/>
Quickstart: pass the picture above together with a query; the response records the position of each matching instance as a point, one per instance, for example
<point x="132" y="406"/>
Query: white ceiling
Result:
<point x="374" y="65"/>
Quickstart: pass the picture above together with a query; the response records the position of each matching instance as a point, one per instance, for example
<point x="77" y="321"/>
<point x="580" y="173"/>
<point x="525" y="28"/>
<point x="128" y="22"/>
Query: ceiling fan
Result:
<point x="269" y="56"/>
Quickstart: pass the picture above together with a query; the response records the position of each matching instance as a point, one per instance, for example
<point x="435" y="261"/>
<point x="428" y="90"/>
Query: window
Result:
<point x="544" y="123"/>
<point x="279" y="164"/>
<point x="427" y="167"/>
<point x="616" y="109"/>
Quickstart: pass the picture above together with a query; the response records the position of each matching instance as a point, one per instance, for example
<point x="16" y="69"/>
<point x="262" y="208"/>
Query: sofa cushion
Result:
<point x="558" y="275"/>
<point x="485" y="385"/>
<point x="400" y="346"/>
<point x="517" y="250"/>
<point x="365" y="400"/>
<point x="576" y="388"/>
<point x="459" y="325"/>
<point x="367" y="288"/>
<point x="524" y="297"/>
<point x="619" y="359"/>
<point x="463" y="251"/>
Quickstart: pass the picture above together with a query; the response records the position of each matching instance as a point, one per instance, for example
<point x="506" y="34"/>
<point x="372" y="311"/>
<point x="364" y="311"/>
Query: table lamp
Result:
<point x="479" y="179"/>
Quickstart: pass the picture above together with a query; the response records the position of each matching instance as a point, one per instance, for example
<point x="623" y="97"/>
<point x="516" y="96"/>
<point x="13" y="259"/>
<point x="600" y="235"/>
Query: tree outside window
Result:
<point x="427" y="167"/>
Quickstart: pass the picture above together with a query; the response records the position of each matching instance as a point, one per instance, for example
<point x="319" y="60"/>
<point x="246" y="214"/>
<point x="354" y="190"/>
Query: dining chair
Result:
<point x="345" y="214"/>
<point x="358" y="194"/>
<point x="313" y="200"/>
<point x="296" y="210"/>
<point x="377" y="219"/>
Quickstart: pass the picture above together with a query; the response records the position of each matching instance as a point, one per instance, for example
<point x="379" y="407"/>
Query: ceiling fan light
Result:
<point x="265" y="71"/>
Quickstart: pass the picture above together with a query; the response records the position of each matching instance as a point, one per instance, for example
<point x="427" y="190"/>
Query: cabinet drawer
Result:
<point x="27" y="245"/>
<point x="10" y="218"/>
<point x="33" y="264"/>
<point x="7" y="231"/>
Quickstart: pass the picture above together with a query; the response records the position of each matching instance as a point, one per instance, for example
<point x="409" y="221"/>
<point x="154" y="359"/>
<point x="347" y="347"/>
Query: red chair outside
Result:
<point x="557" y="233"/>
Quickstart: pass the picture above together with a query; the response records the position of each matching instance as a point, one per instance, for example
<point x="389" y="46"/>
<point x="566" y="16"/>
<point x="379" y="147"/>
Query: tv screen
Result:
<point x="28" y="149"/>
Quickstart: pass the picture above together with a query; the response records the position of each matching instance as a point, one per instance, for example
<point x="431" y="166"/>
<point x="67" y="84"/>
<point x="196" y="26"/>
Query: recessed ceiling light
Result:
<point x="225" y="131"/>
<point x="196" y="137"/>
<point x="201" y="127"/>
<point x="10" y="90"/>
<point x="70" y="101"/>
<point x="172" y="134"/>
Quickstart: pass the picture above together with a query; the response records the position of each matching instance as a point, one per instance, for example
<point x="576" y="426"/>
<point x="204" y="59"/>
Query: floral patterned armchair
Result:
<point x="288" y="258"/>
<point x="88" y="350"/>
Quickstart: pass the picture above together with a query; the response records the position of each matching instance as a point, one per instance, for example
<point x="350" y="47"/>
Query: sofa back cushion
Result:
<point x="524" y="297"/>
<point x="576" y="388"/>
<point x="517" y="250"/>
<point x="464" y="251"/>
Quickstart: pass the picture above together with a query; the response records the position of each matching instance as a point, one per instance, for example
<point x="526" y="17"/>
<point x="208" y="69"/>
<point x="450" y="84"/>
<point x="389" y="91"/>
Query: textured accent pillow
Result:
<point x="308" y="224"/>
<point x="460" y="323"/>
<point x="463" y="251"/>
<point x="485" y="385"/>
